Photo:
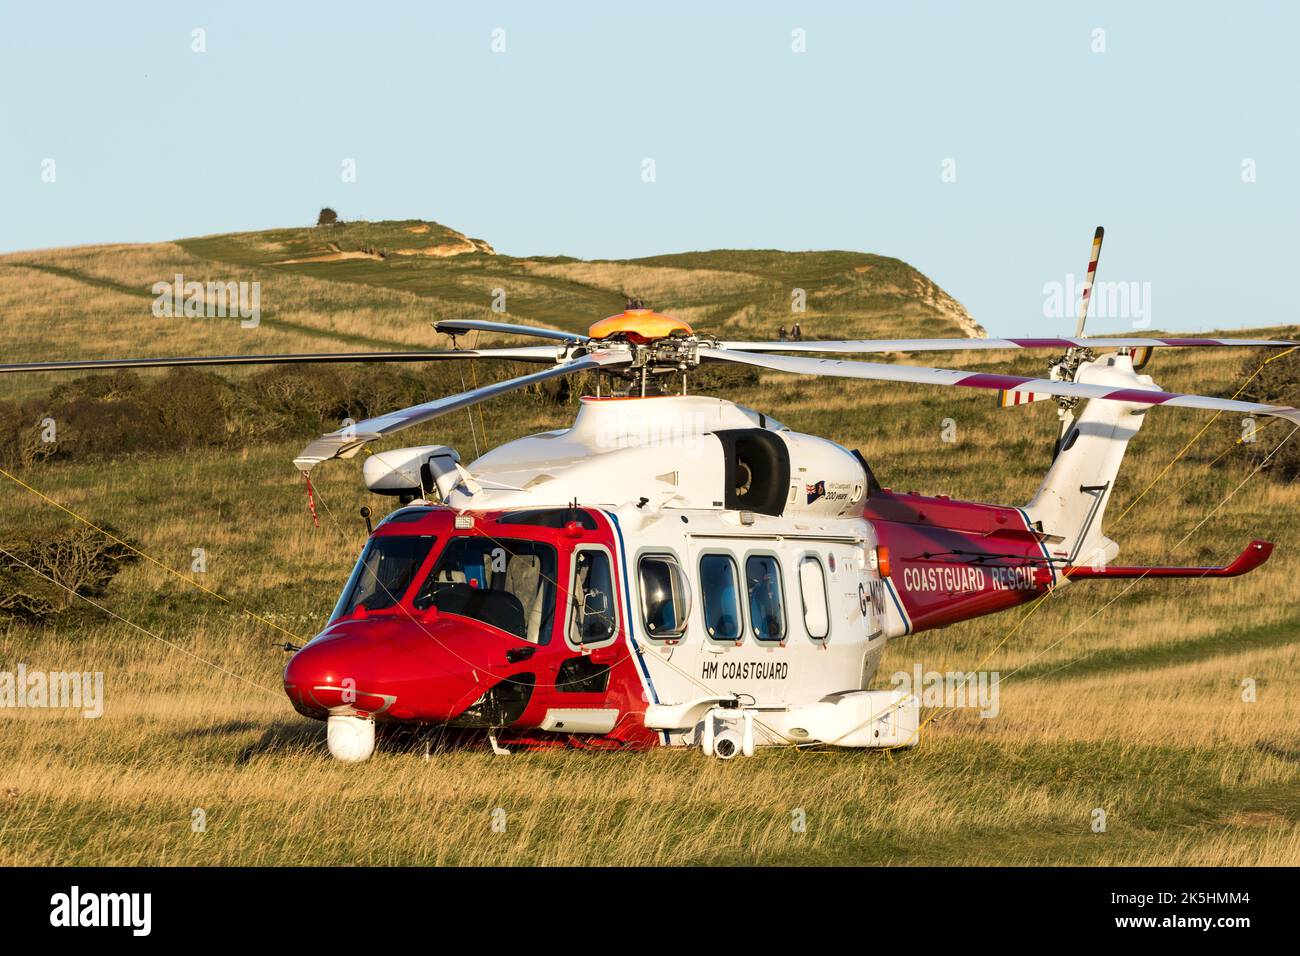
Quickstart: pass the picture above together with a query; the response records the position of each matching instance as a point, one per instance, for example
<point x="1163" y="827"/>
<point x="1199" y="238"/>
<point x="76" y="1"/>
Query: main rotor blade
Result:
<point x="1007" y="383"/>
<point x="346" y="442"/>
<point x="457" y="326"/>
<point x="877" y="346"/>
<point x="533" y="353"/>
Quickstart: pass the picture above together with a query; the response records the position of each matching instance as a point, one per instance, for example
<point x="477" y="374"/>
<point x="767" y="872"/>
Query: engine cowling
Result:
<point x="826" y="479"/>
<point x="413" y="472"/>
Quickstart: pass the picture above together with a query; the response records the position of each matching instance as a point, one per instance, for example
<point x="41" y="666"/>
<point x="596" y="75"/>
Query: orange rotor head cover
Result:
<point x="639" y="325"/>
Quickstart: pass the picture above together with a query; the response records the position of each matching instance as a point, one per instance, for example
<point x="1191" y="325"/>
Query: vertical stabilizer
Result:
<point x="1072" y="499"/>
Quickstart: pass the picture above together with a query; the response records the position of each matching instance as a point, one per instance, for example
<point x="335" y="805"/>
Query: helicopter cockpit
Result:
<point x="510" y="583"/>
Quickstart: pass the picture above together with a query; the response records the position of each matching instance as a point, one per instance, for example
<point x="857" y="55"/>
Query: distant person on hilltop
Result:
<point x="796" y="333"/>
<point x="781" y="333"/>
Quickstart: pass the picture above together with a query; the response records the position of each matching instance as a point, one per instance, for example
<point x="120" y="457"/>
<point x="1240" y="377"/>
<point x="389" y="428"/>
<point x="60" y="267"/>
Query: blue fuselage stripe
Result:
<point x="907" y="621"/>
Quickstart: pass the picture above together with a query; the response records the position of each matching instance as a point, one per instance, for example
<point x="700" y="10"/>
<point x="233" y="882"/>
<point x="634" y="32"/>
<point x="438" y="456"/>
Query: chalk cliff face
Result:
<point x="455" y="246"/>
<point x="947" y="306"/>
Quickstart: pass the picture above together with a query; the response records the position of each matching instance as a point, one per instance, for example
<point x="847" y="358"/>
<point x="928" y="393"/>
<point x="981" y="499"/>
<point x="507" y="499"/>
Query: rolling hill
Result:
<point x="379" y="285"/>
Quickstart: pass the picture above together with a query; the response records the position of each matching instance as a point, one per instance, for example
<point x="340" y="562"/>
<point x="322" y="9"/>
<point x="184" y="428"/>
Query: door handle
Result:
<point x="608" y="654"/>
<point x="517" y="654"/>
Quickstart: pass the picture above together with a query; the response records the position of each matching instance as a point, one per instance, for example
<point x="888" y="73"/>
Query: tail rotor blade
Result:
<point x="1086" y="298"/>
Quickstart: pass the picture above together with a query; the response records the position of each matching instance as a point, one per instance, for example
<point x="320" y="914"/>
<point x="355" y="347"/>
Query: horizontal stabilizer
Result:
<point x="1255" y="554"/>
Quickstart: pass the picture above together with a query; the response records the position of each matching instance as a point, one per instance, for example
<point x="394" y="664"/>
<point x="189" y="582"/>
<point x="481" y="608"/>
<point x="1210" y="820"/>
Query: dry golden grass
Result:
<point x="178" y="736"/>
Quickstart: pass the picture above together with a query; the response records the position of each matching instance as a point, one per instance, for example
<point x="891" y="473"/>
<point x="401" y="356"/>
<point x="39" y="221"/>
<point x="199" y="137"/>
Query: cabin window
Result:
<point x="766" y="607"/>
<point x="384" y="572"/>
<point x="812" y="589"/>
<point x="505" y="582"/>
<point x="593" y="618"/>
<point x="665" y="598"/>
<point x="720" y="595"/>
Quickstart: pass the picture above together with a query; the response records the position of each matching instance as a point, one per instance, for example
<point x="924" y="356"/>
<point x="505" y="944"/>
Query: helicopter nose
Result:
<point x="375" y="670"/>
<point x="331" y="676"/>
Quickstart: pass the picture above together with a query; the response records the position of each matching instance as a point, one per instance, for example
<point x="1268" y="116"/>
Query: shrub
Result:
<point x="21" y="441"/>
<point x="43" y="570"/>
<point x="1278" y="383"/>
<point x="185" y="408"/>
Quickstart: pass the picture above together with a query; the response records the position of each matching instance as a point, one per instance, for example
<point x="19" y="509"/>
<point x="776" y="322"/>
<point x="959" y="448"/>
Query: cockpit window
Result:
<point x="384" y="572"/>
<point x="761" y="420"/>
<point x="505" y="582"/>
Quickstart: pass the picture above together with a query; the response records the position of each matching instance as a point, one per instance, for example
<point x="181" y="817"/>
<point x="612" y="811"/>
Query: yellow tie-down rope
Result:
<point x="148" y="557"/>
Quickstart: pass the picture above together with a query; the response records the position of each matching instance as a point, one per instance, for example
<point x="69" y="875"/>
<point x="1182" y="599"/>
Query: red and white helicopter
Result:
<point x="683" y="570"/>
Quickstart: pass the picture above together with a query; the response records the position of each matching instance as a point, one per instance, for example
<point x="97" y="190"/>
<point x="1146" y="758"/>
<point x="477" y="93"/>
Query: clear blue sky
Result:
<point x="539" y="149"/>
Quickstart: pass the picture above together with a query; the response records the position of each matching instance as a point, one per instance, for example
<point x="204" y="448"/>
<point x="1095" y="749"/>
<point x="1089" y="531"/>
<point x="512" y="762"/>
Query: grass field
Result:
<point x="1122" y="697"/>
